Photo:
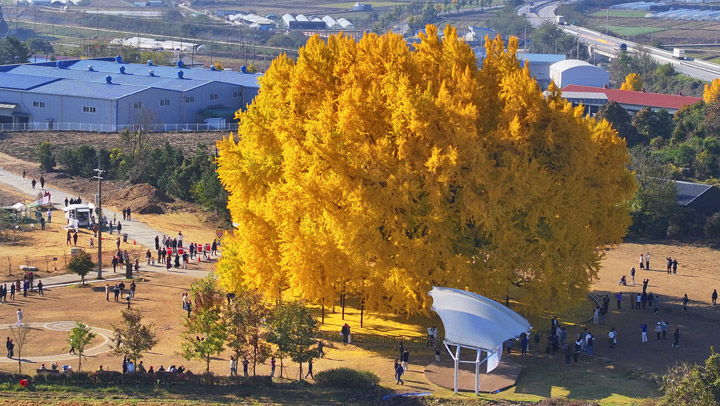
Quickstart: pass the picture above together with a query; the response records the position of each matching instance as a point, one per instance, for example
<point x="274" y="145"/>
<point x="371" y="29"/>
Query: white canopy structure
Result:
<point x="475" y="322"/>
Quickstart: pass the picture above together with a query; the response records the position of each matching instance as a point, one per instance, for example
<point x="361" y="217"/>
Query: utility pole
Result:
<point x="99" y="217"/>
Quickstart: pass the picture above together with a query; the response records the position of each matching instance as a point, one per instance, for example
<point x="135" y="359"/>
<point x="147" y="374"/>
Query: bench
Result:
<point x="28" y="268"/>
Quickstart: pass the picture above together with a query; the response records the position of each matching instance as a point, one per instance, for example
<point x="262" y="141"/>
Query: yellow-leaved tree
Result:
<point x="712" y="92"/>
<point x="369" y="169"/>
<point x="633" y="81"/>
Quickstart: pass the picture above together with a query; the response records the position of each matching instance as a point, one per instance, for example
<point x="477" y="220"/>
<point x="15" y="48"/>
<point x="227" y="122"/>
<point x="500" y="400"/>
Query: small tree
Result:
<point x="44" y="155"/>
<point x="132" y="338"/>
<point x="633" y="81"/>
<point x="20" y="334"/>
<point x="80" y="337"/>
<point x="293" y="329"/>
<point x="205" y="321"/>
<point x="693" y="385"/>
<point x="81" y="264"/>
<point x="244" y="320"/>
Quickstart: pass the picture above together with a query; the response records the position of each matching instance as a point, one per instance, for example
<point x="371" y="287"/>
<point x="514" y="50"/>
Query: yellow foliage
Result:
<point x="633" y="81"/>
<point x="377" y="171"/>
<point x="712" y="92"/>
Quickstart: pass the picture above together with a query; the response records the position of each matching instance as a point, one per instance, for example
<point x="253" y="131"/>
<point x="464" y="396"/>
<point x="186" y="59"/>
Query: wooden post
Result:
<point x="362" y="311"/>
<point x="322" y="319"/>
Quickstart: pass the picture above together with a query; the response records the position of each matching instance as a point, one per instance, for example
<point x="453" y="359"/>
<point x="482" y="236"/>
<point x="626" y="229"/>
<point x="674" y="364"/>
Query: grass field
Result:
<point x="630" y="31"/>
<point x="619" y="13"/>
<point x="349" y="5"/>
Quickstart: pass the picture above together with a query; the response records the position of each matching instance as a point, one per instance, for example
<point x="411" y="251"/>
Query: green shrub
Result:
<point x="44" y="155"/>
<point x="347" y="378"/>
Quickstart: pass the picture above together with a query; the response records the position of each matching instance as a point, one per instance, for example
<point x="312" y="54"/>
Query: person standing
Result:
<point x="405" y="359"/>
<point x="523" y="344"/>
<point x="618" y="296"/>
<point x="632" y="275"/>
<point x="642" y="261"/>
<point x="107" y="291"/>
<point x="669" y="265"/>
<point x="12" y="291"/>
<point x="686" y="300"/>
<point x="643" y="327"/>
<point x="674" y="266"/>
<point x="24" y="172"/>
<point x="8" y="344"/>
<point x="714" y="297"/>
<point x="69" y="237"/>
<point x="49" y="216"/>
<point x="272" y="367"/>
<point x="11" y="349"/>
<point x="116" y="292"/>
<point x="33" y="183"/>
<point x="664" y="329"/>
<point x="129" y="217"/>
<point x="20" y="316"/>
<point x="66" y="201"/>
<point x="75" y="238"/>
<point x="612" y="338"/>
<point x="677" y="338"/>
<point x="40" y="288"/>
<point x="148" y="255"/>
<point x="42" y="182"/>
<point x="647" y="261"/>
<point x="132" y="289"/>
<point x="578" y="347"/>
<point x="596" y="315"/>
<point x="345" y="331"/>
<point x="658" y="330"/>
<point x="233" y="366"/>
<point x="213" y="250"/>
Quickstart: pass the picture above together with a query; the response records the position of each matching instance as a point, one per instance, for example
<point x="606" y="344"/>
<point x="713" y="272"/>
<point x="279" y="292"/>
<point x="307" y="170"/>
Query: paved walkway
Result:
<point x="62" y="326"/>
<point x="136" y="230"/>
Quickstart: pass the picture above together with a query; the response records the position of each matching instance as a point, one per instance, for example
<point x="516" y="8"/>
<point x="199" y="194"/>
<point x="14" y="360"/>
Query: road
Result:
<point x="545" y="13"/>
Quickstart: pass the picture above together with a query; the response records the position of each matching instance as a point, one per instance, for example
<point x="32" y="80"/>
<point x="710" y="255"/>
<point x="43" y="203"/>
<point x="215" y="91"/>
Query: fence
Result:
<point x="111" y="128"/>
<point x="377" y="340"/>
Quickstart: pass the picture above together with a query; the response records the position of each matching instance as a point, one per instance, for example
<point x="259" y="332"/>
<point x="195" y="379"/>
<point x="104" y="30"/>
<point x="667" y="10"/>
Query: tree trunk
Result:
<point x="79" y="361"/>
<point x="19" y="360"/>
<point x="281" y="367"/>
<point x="207" y="364"/>
<point x="301" y="375"/>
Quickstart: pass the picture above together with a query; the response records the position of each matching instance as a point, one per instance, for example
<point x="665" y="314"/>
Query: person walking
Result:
<point x="686" y="300"/>
<point x="310" y="371"/>
<point x="20" y="316"/>
<point x="714" y="297"/>
<point x="399" y="370"/>
<point x="677" y="338"/>
<point x="33" y="183"/>
<point x="24" y="173"/>
<point x="42" y="182"/>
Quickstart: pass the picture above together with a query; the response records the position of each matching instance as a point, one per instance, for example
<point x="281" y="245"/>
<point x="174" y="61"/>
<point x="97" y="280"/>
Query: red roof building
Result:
<point x="631" y="100"/>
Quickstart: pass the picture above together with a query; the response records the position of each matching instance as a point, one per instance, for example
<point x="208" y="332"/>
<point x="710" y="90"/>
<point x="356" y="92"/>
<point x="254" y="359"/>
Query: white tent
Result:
<point x="477" y="323"/>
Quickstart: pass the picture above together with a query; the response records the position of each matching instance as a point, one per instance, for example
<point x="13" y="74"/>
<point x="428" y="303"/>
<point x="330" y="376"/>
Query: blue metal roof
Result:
<point x="144" y="80"/>
<point x="103" y="91"/>
<point x="230" y="77"/>
<point x="22" y="82"/>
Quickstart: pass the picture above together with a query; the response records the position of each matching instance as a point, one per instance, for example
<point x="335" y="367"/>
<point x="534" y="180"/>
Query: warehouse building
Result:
<point x="632" y="101"/>
<point x="106" y="94"/>
<point x="577" y="72"/>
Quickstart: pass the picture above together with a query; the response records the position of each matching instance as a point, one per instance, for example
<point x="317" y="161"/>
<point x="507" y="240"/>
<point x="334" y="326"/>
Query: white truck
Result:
<point x="560" y="20"/>
<point x="678" y="53"/>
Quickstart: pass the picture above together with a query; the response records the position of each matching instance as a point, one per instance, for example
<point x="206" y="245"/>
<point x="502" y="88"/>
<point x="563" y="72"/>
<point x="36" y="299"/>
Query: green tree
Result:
<point x="293" y="330"/>
<point x="132" y="338"/>
<point x="80" y="336"/>
<point x="45" y="156"/>
<point x="205" y="333"/>
<point x="244" y="318"/>
<point x="549" y="39"/>
<point x="209" y="192"/>
<point x="650" y="124"/>
<point x="616" y="115"/>
<point x="690" y="122"/>
<point x="39" y="46"/>
<point x="81" y="264"/>
<point x="693" y="385"/>
<point x="13" y="51"/>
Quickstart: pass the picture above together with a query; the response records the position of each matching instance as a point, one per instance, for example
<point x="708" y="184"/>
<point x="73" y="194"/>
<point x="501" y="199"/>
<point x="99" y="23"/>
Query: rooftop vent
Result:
<point x="118" y="59"/>
<point x="90" y="68"/>
<point x="212" y="67"/>
<point x="180" y="74"/>
<point x="150" y="62"/>
<point x="151" y="72"/>
<point x="122" y="70"/>
<point x="243" y="69"/>
<point x="108" y="79"/>
<point x="180" y="64"/>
